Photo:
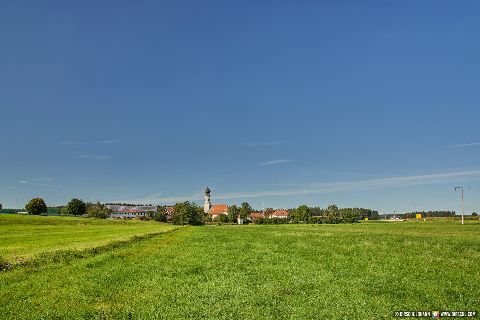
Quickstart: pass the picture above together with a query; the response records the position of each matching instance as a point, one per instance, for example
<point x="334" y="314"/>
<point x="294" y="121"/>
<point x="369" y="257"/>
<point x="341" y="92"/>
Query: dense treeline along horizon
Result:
<point x="75" y="207"/>
<point x="430" y="214"/>
<point x="190" y="213"/>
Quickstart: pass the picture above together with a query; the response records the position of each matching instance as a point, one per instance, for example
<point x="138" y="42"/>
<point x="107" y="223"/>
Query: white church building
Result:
<point x="214" y="210"/>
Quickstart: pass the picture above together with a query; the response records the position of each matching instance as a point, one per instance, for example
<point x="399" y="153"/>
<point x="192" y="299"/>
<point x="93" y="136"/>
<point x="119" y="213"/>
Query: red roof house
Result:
<point x="279" y="214"/>
<point x="217" y="209"/>
<point x="256" y="215"/>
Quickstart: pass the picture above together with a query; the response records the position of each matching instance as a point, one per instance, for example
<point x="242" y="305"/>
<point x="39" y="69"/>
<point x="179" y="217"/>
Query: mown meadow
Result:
<point x="347" y="271"/>
<point x="24" y="236"/>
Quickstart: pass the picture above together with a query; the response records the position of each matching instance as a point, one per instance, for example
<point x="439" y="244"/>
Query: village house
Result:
<point x="282" y="214"/>
<point x="213" y="211"/>
<point x="218" y="209"/>
<point x="256" y="215"/>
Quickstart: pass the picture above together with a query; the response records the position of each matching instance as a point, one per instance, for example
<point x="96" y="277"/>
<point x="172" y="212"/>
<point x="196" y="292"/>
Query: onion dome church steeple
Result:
<point x="207" y="205"/>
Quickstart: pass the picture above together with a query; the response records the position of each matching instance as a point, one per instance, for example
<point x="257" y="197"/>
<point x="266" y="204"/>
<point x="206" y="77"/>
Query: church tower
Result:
<point x="207" y="205"/>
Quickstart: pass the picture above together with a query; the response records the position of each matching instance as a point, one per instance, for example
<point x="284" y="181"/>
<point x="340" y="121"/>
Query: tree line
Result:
<point x="75" y="207"/>
<point x="189" y="213"/>
<point x="429" y="214"/>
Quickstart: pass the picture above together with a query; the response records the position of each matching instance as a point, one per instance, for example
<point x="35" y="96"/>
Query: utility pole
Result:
<point x="461" y="188"/>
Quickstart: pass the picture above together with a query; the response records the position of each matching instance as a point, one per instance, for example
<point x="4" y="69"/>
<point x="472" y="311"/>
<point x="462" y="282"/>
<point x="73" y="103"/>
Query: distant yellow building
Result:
<point x="418" y="216"/>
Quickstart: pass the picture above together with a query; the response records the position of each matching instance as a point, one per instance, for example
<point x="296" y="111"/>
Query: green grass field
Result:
<point x="359" y="271"/>
<point x="23" y="236"/>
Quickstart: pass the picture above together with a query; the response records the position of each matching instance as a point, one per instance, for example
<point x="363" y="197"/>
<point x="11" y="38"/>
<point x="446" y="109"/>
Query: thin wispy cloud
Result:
<point x="94" y="157"/>
<point x="39" y="182"/>
<point x="466" y="145"/>
<point x="107" y="141"/>
<point x="314" y="188"/>
<point x="96" y="142"/>
<point x="264" y="143"/>
<point x="101" y="157"/>
<point x="272" y="162"/>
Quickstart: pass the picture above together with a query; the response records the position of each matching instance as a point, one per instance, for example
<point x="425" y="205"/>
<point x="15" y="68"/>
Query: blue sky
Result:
<point x="373" y="104"/>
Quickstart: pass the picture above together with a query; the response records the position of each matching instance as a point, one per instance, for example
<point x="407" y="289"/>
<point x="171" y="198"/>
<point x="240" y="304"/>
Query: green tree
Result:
<point x="302" y="213"/>
<point x="159" y="215"/>
<point x="245" y="210"/>
<point x="97" y="210"/>
<point x="75" y="207"/>
<point x="474" y="214"/>
<point x="233" y="212"/>
<point x="187" y="213"/>
<point x="351" y="215"/>
<point x="223" y="218"/>
<point x="373" y="214"/>
<point x="36" y="206"/>
<point x="333" y="215"/>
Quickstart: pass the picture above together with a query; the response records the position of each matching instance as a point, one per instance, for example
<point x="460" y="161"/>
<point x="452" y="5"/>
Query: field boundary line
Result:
<point x="51" y="257"/>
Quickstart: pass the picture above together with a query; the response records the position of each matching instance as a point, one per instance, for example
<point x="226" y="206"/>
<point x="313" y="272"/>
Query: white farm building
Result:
<point x="123" y="212"/>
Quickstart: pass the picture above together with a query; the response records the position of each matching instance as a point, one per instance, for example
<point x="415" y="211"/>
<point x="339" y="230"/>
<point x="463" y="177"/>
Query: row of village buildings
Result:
<point x="213" y="210"/>
<point x="130" y="212"/>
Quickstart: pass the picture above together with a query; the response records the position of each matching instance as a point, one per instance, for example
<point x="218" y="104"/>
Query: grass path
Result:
<point x="361" y="271"/>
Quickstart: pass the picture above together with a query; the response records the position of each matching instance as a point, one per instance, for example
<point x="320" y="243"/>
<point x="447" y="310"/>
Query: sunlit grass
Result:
<point x="23" y="236"/>
<point x="360" y="271"/>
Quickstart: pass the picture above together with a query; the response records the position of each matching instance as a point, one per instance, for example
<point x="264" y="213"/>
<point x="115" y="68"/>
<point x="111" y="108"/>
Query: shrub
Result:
<point x="271" y="221"/>
<point x="333" y="219"/>
<point x="54" y="210"/>
<point x="160" y="215"/>
<point x="259" y="221"/>
<point x="315" y="220"/>
<point x="222" y="218"/>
